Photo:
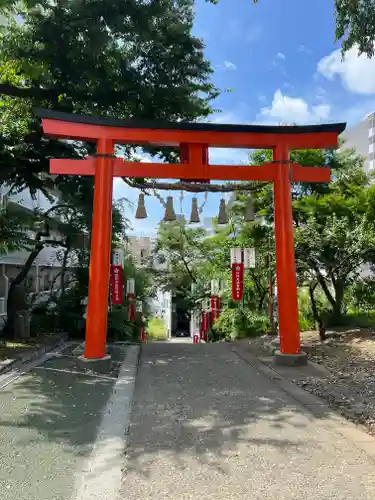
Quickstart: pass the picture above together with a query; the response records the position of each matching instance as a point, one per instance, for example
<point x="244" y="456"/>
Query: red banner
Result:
<point x="205" y="321"/>
<point x="131" y="306"/>
<point x="204" y="325"/>
<point x="215" y="307"/>
<point x="237" y="281"/>
<point x="116" y="284"/>
<point x="142" y="334"/>
<point x="201" y="333"/>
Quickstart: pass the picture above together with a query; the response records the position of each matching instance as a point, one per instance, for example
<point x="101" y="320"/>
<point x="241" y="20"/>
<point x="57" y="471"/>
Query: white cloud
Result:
<point x="285" y="109"/>
<point x="280" y="55"/>
<point x="304" y="49"/>
<point x="228" y="65"/>
<point x="228" y="156"/>
<point x="357" y="72"/>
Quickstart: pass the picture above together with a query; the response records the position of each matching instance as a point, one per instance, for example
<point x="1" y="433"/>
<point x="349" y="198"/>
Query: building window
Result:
<point x="371" y="148"/>
<point x="371" y="132"/>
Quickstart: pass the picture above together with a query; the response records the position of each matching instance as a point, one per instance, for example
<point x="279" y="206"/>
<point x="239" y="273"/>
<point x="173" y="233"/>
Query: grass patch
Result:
<point x="156" y="329"/>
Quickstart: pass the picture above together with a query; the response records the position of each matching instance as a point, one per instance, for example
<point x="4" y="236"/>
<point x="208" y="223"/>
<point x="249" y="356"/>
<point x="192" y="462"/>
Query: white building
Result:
<point x="46" y="266"/>
<point x="362" y="137"/>
<point x="141" y="249"/>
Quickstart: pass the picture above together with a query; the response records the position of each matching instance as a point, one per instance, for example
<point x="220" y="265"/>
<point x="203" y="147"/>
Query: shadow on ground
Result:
<point x="55" y="404"/>
<point x="205" y="403"/>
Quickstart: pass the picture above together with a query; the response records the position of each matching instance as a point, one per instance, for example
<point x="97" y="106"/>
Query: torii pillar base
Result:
<point x="282" y="359"/>
<point x="100" y="365"/>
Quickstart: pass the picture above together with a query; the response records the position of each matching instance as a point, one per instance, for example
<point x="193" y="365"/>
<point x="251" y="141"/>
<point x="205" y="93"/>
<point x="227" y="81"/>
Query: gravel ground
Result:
<point x="350" y="385"/>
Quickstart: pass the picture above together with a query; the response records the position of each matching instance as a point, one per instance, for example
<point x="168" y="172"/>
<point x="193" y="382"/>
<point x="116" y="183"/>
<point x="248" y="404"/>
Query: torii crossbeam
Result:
<point x="193" y="140"/>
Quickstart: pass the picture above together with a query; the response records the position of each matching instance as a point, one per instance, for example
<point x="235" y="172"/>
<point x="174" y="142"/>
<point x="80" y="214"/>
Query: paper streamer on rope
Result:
<point x="215" y="308"/>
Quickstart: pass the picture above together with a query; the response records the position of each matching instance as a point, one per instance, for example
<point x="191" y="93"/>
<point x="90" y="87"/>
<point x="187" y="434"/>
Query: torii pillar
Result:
<point x="193" y="140"/>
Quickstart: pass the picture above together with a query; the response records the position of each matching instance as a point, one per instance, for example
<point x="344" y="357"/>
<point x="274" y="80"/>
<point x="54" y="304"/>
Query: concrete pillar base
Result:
<point x="80" y="349"/>
<point x="100" y="365"/>
<point x="282" y="359"/>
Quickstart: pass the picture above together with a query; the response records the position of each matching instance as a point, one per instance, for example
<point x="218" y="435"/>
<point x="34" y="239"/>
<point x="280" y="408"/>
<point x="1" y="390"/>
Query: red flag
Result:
<point x="237" y="281"/>
<point x="205" y="321"/>
<point x="215" y="307"/>
<point x="142" y="335"/>
<point x="201" y="333"/>
<point x="131" y="305"/>
<point x="116" y="284"/>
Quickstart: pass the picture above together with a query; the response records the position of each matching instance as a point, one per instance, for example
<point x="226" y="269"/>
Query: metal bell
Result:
<point x="141" y="209"/>
<point x="249" y="211"/>
<point x="170" y="214"/>
<point x="223" y="216"/>
<point x="194" y="216"/>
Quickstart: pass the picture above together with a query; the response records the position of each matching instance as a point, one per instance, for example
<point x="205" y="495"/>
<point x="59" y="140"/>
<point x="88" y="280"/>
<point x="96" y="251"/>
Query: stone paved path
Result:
<point x="206" y="425"/>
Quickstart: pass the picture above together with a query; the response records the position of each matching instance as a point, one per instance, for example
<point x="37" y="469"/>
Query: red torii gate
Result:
<point x="193" y="139"/>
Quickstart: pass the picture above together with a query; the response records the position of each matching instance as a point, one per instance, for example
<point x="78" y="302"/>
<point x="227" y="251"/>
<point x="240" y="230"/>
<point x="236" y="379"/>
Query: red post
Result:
<point x="96" y="323"/>
<point x="285" y="259"/>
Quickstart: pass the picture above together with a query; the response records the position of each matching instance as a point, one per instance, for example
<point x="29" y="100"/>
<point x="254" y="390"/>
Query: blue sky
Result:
<point x="281" y="62"/>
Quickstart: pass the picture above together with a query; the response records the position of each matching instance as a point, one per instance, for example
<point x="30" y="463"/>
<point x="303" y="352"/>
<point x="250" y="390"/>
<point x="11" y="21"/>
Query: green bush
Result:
<point x="237" y="323"/>
<point x="64" y="314"/>
<point x="120" y="329"/>
<point x="156" y="329"/>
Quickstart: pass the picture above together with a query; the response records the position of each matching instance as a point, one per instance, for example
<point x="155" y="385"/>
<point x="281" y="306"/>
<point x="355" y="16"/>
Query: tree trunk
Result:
<point x="339" y="296"/>
<point x="261" y="301"/>
<point x="317" y="317"/>
<point x="10" y="327"/>
<point x="63" y="269"/>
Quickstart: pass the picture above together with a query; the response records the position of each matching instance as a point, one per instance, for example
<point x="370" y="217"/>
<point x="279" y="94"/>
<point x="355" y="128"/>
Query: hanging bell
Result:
<point x="194" y="216"/>
<point x="141" y="209"/>
<point x="170" y="214"/>
<point x="223" y="216"/>
<point x="249" y="211"/>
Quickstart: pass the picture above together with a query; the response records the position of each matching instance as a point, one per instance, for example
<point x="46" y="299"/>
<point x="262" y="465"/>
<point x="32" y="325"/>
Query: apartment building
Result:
<point x="140" y="248"/>
<point x="47" y="265"/>
<point x="361" y="136"/>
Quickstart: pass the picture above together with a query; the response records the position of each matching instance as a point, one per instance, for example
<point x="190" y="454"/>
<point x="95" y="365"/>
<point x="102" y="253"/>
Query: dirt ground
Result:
<point x="15" y="349"/>
<point x="349" y="387"/>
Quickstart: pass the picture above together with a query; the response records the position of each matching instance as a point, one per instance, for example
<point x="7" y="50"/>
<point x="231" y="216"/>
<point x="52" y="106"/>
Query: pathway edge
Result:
<point x="101" y="475"/>
<point x="313" y="404"/>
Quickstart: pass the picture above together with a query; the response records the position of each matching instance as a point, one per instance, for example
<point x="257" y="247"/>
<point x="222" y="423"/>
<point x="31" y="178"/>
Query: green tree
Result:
<point x="128" y="59"/>
<point x="333" y="226"/>
<point x="122" y="59"/>
<point x="178" y="252"/>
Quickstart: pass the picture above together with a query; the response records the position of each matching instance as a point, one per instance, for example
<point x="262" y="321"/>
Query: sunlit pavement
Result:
<point x="48" y="424"/>
<point x="180" y="340"/>
<point x="206" y="425"/>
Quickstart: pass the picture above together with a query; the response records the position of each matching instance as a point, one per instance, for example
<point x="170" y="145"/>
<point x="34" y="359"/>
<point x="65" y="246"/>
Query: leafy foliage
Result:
<point x="334" y="240"/>
<point x="123" y="59"/>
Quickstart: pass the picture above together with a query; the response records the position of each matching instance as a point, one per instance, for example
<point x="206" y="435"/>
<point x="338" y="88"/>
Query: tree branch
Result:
<point x="29" y="92"/>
